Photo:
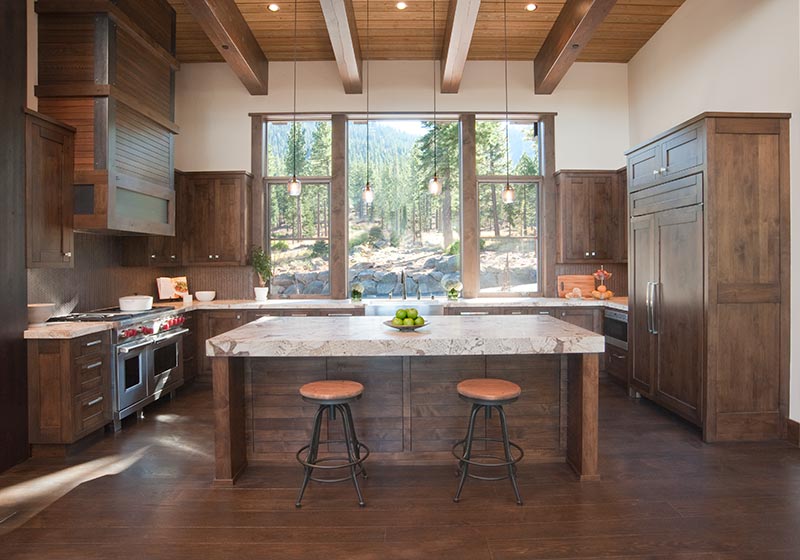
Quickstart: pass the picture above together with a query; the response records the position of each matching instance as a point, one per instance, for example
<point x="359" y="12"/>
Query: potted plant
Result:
<point x="263" y="268"/>
<point x="453" y="287"/>
<point x="357" y="291"/>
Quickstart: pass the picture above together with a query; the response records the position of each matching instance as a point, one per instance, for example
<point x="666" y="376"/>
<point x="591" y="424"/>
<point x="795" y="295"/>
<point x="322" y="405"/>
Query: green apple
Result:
<point x="401" y="314"/>
<point x="412" y="313"/>
<point x="397" y="322"/>
<point x="419" y="321"/>
<point x="408" y="322"/>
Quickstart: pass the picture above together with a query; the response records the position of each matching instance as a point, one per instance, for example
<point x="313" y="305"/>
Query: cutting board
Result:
<point x="567" y="282"/>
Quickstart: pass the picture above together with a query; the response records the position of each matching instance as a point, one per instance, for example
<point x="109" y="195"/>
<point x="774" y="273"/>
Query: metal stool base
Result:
<point x="307" y="455"/>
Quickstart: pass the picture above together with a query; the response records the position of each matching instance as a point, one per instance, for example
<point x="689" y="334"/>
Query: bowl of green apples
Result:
<point x="407" y="320"/>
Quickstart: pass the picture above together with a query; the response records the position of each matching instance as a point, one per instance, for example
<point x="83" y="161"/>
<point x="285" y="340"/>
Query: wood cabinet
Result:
<point x="69" y="389"/>
<point x="108" y="69"/>
<point x="616" y="362"/>
<point x="49" y="168"/>
<point x="708" y="273"/>
<point x="591" y="213"/>
<point x="216" y="217"/>
<point x="211" y="324"/>
<point x="590" y="319"/>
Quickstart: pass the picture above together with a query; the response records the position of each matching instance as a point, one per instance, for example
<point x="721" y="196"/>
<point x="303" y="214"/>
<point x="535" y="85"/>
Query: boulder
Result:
<point x="448" y="264"/>
<point x="314" y="288"/>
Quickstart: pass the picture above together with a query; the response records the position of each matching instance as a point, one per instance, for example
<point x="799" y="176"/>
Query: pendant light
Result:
<point x="435" y="185"/>
<point x="367" y="194"/>
<point x="294" y="186"/>
<point x="508" y="191"/>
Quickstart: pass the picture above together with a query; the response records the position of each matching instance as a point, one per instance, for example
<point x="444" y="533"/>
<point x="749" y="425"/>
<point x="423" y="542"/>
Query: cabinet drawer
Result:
<point x="529" y="311"/>
<point x="90" y="373"/>
<point x="90" y="412"/>
<point x="91" y="344"/>
<point x="687" y="191"/>
<point x="467" y="311"/>
<point x="617" y="363"/>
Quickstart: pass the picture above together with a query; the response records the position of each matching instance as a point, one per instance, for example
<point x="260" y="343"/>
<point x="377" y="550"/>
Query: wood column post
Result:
<point x="230" y="451"/>
<point x="339" y="253"/>
<point x="258" y="213"/>
<point x="470" y="228"/>
<point x="547" y="207"/>
<point x="582" y="405"/>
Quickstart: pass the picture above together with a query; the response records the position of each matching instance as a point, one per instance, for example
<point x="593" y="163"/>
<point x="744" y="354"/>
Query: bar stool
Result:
<point x="487" y="394"/>
<point x="333" y="396"/>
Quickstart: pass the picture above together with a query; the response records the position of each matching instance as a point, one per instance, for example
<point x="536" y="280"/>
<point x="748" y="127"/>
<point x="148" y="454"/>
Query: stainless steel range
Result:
<point x="147" y="355"/>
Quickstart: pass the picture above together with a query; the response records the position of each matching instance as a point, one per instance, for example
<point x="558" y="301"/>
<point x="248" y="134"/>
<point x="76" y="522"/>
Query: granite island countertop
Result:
<point x="368" y="336"/>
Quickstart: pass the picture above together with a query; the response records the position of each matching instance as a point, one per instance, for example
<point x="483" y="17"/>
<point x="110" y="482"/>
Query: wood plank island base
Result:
<point x="410" y="412"/>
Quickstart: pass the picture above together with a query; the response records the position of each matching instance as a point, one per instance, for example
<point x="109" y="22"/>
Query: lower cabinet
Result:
<point x="617" y="365"/>
<point x="586" y="318"/>
<point x="211" y="324"/>
<point x="69" y="389"/>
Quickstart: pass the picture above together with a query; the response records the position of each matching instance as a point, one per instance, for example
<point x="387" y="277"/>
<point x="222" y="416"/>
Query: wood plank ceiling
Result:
<point x="406" y="35"/>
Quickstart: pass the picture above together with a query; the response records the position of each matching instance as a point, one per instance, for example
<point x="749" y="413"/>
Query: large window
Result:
<point x="405" y="229"/>
<point x="509" y="233"/>
<point x="298" y="233"/>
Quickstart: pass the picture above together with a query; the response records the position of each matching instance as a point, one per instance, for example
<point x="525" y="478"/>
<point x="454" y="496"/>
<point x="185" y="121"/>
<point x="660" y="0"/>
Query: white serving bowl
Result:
<point x="135" y="303"/>
<point x="39" y="313"/>
<point x="207" y="295"/>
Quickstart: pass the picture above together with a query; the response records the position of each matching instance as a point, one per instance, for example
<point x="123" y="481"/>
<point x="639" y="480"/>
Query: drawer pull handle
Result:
<point x="340" y="314"/>
<point x="94" y="402"/>
<point x="544" y="313"/>
<point x="474" y="313"/>
<point x="299" y="315"/>
<point x="516" y="312"/>
<point x="94" y="365"/>
<point x="617" y="356"/>
<point x="93" y="343"/>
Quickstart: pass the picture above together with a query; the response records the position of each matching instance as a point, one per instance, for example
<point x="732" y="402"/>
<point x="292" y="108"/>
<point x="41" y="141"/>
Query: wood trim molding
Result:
<point x="461" y="19"/>
<point x="341" y="22"/>
<point x="573" y="29"/>
<point x="225" y="26"/>
<point x="793" y="432"/>
<point x="547" y="211"/>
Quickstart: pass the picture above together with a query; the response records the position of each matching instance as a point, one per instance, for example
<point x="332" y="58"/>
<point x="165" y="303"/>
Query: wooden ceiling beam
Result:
<point x="225" y="26"/>
<point x="461" y="18"/>
<point x="573" y="29"/>
<point x="341" y="22"/>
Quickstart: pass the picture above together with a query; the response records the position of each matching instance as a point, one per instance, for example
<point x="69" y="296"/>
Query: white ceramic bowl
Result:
<point x="39" y="313"/>
<point x="135" y="303"/>
<point x="207" y="295"/>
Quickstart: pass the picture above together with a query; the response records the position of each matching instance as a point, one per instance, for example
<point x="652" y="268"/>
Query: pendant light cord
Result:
<point x="294" y="97"/>
<point x="369" y="68"/>
<point x="433" y="38"/>
<point x="505" y="41"/>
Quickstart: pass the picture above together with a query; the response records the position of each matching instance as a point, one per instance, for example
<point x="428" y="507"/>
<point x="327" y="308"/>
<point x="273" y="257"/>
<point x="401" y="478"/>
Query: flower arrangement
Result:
<point x="356" y="291"/>
<point x="452" y="287"/>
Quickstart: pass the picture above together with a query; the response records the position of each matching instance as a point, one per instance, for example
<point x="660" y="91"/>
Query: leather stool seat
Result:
<point x="332" y="390"/>
<point x="488" y="389"/>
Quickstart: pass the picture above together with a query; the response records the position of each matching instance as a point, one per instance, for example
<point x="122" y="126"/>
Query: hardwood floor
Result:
<point x="146" y="493"/>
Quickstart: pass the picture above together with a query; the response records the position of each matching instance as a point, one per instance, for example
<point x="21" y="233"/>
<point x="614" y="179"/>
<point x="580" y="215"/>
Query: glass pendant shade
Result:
<point x="435" y="186"/>
<point x="294" y="186"/>
<point x="508" y="194"/>
<point x="368" y="195"/>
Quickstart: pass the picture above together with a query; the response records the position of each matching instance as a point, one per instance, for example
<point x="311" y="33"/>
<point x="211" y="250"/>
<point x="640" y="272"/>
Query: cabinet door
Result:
<point x="216" y="323"/>
<point x="604" y="217"/>
<point x="199" y="220"/>
<point x="682" y="151"/>
<point x="164" y="250"/>
<point x="228" y="215"/>
<point x="644" y="167"/>
<point x="575" y="217"/>
<point x="48" y="191"/>
<point x="588" y="319"/>
<point x="679" y="310"/>
<point x="641" y="342"/>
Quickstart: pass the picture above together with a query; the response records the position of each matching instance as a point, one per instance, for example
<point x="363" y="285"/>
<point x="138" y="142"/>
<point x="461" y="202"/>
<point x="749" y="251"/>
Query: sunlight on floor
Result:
<point x="32" y="496"/>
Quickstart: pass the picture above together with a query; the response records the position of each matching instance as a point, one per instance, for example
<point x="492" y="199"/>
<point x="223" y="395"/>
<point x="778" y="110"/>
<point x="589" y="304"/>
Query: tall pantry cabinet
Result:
<point x="709" y="273"/>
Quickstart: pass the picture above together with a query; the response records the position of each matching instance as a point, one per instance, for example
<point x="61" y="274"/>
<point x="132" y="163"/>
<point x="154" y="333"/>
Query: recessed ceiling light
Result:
<point x="401" y="5"/>
<point x="531" y="7"/>
<point x="273" y="7"/>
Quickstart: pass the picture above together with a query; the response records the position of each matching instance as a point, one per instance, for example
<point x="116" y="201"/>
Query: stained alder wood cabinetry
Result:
<point x="69" y="389"/>
<point x="216" y="212"/>
<point x="209" y="325"/>
<point x="591" y="216"/>
<point x="49" y="153"/>
<point x="107" y="68"/>
<point x="709" y="270"/>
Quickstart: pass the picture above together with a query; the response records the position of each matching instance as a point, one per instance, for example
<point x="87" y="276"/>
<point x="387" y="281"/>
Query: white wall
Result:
<point x="212" y="105"/>
<point x="726" y="55"/>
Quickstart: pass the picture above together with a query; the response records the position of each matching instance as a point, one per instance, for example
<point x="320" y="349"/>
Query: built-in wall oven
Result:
<point x="615" y="328"/>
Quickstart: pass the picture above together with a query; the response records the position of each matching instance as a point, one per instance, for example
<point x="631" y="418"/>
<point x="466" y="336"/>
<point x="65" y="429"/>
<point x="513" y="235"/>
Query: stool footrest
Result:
<point x="340" y="465"/>
<point x="500" y="461"/>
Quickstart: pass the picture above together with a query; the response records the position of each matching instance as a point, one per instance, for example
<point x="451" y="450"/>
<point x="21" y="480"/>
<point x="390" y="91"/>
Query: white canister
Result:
<point x="187" y="299"/>
<point x="261" y="293"/>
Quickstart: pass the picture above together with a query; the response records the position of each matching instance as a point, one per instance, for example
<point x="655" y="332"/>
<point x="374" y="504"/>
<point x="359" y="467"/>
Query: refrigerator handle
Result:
<point x="656" y="305"/>
<point x="649" y="306"/>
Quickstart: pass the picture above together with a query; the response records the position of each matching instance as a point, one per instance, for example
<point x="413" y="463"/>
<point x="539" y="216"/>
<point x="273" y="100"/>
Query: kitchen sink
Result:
<point x="387" y="307"/>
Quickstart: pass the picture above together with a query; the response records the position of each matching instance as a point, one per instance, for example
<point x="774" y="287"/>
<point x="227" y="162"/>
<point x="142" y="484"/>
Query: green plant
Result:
<point x="280" y="246"/>
<point x="262" y="265"/>
<point x="319" y="249"/>
<point x="375" y="234"/>
<point x="358" y="240"/>
<point x="454" y="248"/>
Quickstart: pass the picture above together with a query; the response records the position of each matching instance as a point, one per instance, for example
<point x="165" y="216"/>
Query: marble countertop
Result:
<point x="368" y="336"/>
<point x="66" y="330"/>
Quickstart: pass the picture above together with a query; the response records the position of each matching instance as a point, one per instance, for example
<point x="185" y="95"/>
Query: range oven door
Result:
<point x="133" y="366"/>
<point x="167" y="362"/>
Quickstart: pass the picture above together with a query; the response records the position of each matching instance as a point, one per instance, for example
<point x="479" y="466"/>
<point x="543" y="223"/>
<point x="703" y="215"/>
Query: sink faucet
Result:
<point x="403" y="283"/>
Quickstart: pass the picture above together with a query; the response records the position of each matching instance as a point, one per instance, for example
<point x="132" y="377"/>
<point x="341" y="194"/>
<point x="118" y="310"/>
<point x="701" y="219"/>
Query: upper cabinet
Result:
<point x="216" y="223"/>
<point x="677" y="153"/>
<point x="107" y="68"/>
<point x="49" y="149"/>
<point x="591" y="217"/>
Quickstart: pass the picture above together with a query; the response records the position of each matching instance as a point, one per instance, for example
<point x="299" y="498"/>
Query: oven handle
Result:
<point x="170" y="334"/>
<point x="126" y="349"/>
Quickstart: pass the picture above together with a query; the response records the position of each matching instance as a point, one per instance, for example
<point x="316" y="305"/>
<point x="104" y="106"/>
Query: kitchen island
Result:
<point x="410" y="411"/>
